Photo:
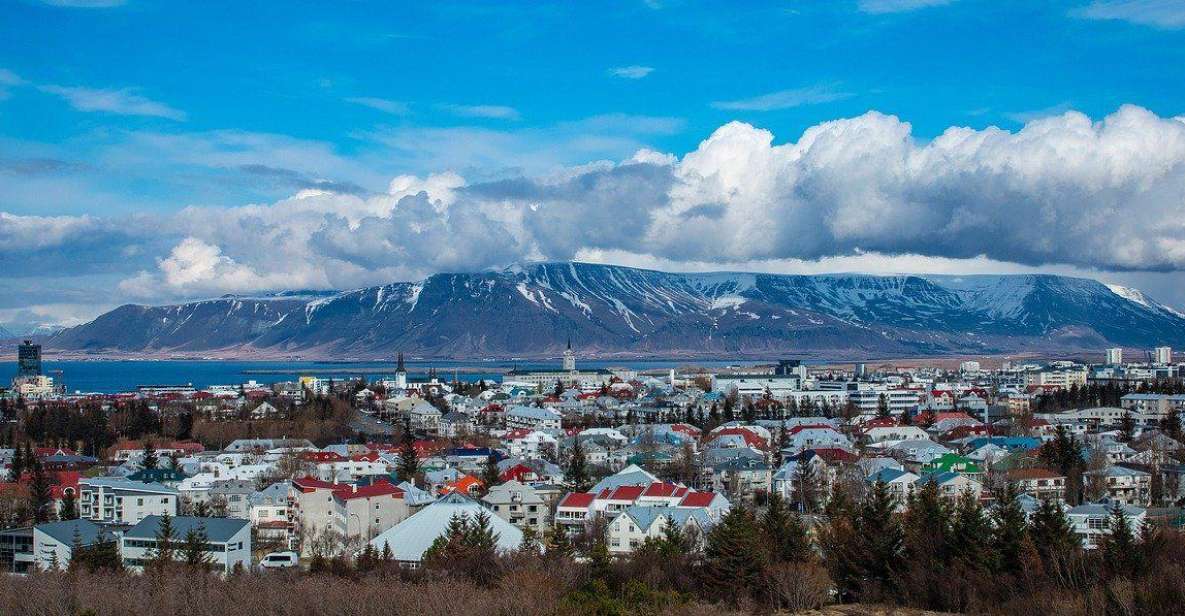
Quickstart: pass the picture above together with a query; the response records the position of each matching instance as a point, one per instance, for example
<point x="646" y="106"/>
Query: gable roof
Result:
<point x="89" y="533"/>
<point x="219" y="530"/>
<point x="409" y="539"/>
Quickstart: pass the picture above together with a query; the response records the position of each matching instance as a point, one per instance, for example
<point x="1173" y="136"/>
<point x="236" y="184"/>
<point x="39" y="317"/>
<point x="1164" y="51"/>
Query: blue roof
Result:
<point x="887" y="475"/>
<point x="646" y="516"/>
<point x="89" y="533"/>
<point x="219" y="530"/>
<point x="1010" y="443"/>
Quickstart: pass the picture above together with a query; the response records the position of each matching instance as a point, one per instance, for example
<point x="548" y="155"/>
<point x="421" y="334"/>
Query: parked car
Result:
<point x="280" y="560"/>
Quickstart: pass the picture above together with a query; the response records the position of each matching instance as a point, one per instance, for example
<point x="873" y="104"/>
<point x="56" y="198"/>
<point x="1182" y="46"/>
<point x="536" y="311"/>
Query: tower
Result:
<point x="28" y="360"/>
<point x="569" y="357"/>
<point x="400" y="373"/>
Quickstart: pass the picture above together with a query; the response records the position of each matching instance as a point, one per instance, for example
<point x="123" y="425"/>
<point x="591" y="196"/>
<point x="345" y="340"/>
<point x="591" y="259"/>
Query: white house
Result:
<point x="409" y="539"/>
<point x="120" y="501"/>
<point x="228" y="541"/>
<point x="635" y="524"/>
<point x="53" y="542"/>
<point x="532" y="417"/>
<point x="1090" y="521"/>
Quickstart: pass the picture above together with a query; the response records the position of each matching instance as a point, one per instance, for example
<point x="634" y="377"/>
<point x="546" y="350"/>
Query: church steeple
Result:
<point x="569" y="357"/>
<point x="399" y="366"/>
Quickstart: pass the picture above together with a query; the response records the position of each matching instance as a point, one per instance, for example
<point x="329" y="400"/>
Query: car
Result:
<point x="280" y="560"/>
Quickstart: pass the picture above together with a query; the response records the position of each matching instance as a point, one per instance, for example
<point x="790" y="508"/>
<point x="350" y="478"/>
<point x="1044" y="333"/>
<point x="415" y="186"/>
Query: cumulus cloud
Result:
<point x="118" y="101"/>
<point x="1064" y="193"/>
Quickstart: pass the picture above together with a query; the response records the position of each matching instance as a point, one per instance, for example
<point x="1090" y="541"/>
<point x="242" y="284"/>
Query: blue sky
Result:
<point x="116" y="117"/>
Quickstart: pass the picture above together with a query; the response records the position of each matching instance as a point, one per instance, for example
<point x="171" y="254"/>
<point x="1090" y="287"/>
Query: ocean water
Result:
<point x="113" y="376"/>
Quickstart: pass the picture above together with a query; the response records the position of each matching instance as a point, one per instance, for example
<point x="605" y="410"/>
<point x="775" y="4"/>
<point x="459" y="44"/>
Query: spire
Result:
<point x="399" y="367"/>
<point x="569" y="342"/>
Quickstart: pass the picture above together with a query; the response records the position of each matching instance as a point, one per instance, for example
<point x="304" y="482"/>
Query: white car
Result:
<point x="280" y="560"/>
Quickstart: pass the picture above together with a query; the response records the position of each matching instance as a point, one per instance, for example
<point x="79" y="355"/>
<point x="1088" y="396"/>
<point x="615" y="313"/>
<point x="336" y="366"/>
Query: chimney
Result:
<point x="354" y="488"/>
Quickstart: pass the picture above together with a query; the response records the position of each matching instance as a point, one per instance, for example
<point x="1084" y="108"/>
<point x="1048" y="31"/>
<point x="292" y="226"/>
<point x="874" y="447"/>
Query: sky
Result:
<point x="154" y="152"/>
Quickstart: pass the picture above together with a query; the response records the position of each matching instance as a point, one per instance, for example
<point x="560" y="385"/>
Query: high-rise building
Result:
<point x="1163" y="355"/>
<point x="28" y="360"/>
<point x="1114" y="356"/>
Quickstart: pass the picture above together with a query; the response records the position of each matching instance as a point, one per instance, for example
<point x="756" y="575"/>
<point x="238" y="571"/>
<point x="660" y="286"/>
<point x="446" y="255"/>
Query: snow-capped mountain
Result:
<point x="531" y="310"/>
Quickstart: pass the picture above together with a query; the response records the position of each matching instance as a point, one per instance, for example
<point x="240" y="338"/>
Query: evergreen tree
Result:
<point x="1127" y="427"/>
<point x="201" y="509"/>
<point x="193" y="549"/>
<point x="1118" y="546"/>
<point x="577" y="472"/>
<point x="1010" y="529"/>
<point x="489" y="473"/>
<point x="560" y="545"/>
<point x="883" y="536"/>
<point x="40" y="494"/>
<point x="785" y="534"/>
<point x="1052" y="535"/>
<point x="882" y="407"/>
<point x="733" y="556"/>
<point x="806" y="486"/>
<point x="409" y="461"/>
<point x="18" y="464"/>
<point x="971" y="534"/>
<point x="149" y="460"/>
<point x="68" y="508"/>
<point x="1171" y="424"/>
<point x="163" y="554"/>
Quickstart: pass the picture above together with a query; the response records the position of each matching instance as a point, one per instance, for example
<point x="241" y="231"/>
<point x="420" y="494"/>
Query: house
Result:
<point x="899" y="482"/>
<point x="635" y="524"/>
<point x="804" y="437"/>
<point x="1040" y="483"/>
<point x="951" y="463"/>
<point x="520" y="505"/>
<point x="533" y="418"/>
<point x="228" y="541"/>
<point x="425" y="417"/>
<point x="364" y="512"/>
<point x="53" y="542"/>
<point x="950" y="484"/>
<point x="120" y="501"/>
<point x="269" y="512"/>
<point x="456" y="424"/>
<point x="409" y="539"/>
<point x="1123" y="485"/>
<point x="1090" y="521"/>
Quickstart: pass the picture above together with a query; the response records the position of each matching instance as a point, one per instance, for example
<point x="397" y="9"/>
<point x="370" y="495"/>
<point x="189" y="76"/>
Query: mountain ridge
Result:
<point x="529" y="310"/>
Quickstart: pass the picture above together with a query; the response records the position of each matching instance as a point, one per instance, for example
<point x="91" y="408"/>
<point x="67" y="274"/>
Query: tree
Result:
<point x="40" y="494"/>
<point x="193" y="549"/>
<point x="883" y="538"/>
<point x="971" y="534"/>
<point x="577" y="472"/>
<point x="164" y="552"/>
<point x="806" y="486"/>
<point x="18" y="464"/>
<point x="1010" y="529"/>
<point x="68" y="508"/>
<point x="149" y="460"/>
<point x="560" y="545"/>
<point x="882" y="407"/>
<point x="785" y="534"/>
<point x="1127" y="427"/>
<point x="489" y="473"/>
<point x="1171" y="424"/>
<point x="1053" y="536"/>
<point x="1118" y="546"/>
<point x="409" y="461"/>
<point x="733" y="556"/>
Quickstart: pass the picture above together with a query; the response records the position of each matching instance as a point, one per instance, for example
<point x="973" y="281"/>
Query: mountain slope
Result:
<point x="530" y="310"/>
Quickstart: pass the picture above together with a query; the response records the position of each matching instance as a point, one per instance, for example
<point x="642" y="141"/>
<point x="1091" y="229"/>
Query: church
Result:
<point x="567" y="374"/>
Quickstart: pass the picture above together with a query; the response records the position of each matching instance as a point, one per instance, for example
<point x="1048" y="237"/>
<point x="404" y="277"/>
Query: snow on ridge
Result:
<point x="727" y="301"/>
<point x="1138" y="296"/>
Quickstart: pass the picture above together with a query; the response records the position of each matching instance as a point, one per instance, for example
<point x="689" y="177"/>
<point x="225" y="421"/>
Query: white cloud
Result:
<point x="1063" y="194"/>
<point x="898" y="6"/>
<point x="119" y="101"/>
<point x="384" y="105"/>
<point x="785" y="99"/>
<point x="1156" y="13"/>
<point x="631" y="72"/>
<point x="497" y="112"/>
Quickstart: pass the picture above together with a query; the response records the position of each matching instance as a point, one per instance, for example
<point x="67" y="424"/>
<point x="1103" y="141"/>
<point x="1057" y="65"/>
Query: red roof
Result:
<point x="626" y="493"/>
<point x="751" y="439"/>
<point x="370" y="456"/>
<point x="308" y="484"/>
<point x="697" y="499"/>
<point x="663" y="490"/>
<point x="516" y="472"/>
<point x="834" y="454"/>
<point x="378" y="488"/>
<point x="322" y="456"/>
<point x="578" y="500"/>
<point x="797" y="429"/>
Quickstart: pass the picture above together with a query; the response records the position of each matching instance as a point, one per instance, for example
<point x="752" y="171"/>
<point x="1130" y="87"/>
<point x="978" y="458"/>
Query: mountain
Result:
<point x="531" y="310"/>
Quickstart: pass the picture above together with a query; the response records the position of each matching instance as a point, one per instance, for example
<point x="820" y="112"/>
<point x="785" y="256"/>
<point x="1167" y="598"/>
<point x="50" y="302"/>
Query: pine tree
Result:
<point x="193" y="549"/>
<point x="1118" y="546"/>
<point x="733" y="556"/>
<point x="806" y="486"/>
<point x="18" y="464"/>
<point x="1052" y="534"/>
<point x="882" y="407"/>
<point x="40" y="494"/>
<point x="1127" y="427"/>
<point x="68" y="508"/>
<point x="1171" y="424"/>
<point x="163" y="553"/>
<point x="785" y="534"/>
<point x="409" y="461"/>
<point x="560" y="545"/>
<point x="971" y="533"/>
<point x="1010" y="529"/>
<point x="149" y="460"/>
<point x="883" y="536"/>
<point x="577" y="473"/>
<point x="489" y="473"/>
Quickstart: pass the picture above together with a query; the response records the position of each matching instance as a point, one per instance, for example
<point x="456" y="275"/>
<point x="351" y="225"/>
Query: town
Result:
<point x="1062" y="459"/>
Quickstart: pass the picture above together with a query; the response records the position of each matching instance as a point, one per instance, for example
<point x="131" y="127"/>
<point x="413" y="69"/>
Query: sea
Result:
<point x="115" y="376"/>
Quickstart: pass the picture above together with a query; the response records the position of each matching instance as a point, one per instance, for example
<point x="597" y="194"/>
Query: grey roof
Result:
<point x="412" y="537"/>
<point x="89" y="533"/>
<point x="218" y="530"/>
<point x="117" y="483"/>
<point x="631" y="475"/>
<point x="646" y="516"/>
<point x="532" y="412"/>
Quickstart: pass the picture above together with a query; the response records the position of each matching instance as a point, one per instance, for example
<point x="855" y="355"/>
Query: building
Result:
<point x="120" y="501"/>
<point x="1060" y="378"/>
<point x="366" y="511"/>
<point x="1114" y="356"/>
<point x="1090" y="521"/>
<point x="228" y="541"/>
<point x="1163" y="355"/>
<point x="53" y="542"/>
<point x="636" y="524"/>
<point x="533" y="418"/>
<point x="567" y="375"/>
<point x="28" y="360"/>
<point x="409" y="539"/>
<point x="520" y="505"/>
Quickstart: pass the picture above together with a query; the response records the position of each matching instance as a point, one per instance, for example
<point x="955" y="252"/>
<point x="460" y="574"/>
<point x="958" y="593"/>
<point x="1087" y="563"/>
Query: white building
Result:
<point x="120" y="501"/>
<point x="1163" y="355"/>
<point x="53" y="542"/>
<point x="409" y="539"/>
<point x="1114" y="356"/>
<point x="533" y="418"/>
<point x="1090" y="521"/>
<point x="228" y="542"/>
